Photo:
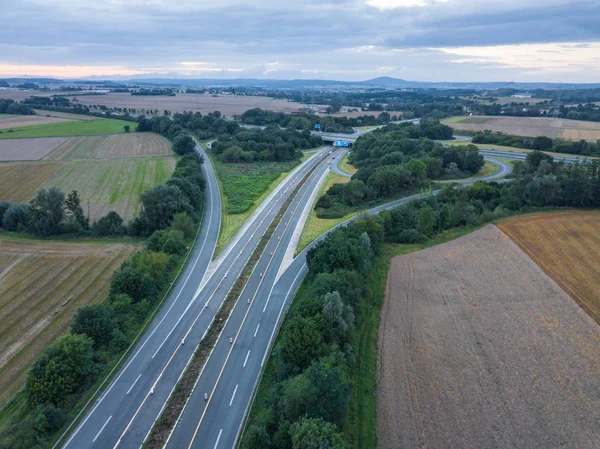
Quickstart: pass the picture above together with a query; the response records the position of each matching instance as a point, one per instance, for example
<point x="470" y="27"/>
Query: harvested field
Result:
<point x="228" y="105"/>
<point x="531" y="126"/>
<point x="65" y="115"/>
<point x="20" y="182"/>
<point x="566" y="245"/>
<point x="18" y="121"/>
<point x="113" y="146"/>
<point x="36" y="304"/>
<point x="361" y="113"/>
<point x="28" y="149"/>
<point x="70" y="128"/>
<point x="109" y="184"/>
<point x="479" y="348"/>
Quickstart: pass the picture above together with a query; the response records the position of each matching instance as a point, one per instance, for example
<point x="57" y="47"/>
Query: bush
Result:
<point x="97" y="322"/>
<point x="411" y="236"/>
<point x="182" y="222"/>
<point x="16" y="217"/>
<point x="130" y="282"/>
<point x="110" y="224"/>
<point x="49" y="419"/>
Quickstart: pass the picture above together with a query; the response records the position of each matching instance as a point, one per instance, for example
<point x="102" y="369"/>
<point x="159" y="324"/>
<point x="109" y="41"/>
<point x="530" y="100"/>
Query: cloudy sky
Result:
<point x="423" y="40"/>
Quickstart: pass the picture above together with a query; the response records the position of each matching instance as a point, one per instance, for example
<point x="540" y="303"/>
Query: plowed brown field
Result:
<point x="479" y="348"/>
<point x="36" y="304"/>
<point x="566" y="245"/>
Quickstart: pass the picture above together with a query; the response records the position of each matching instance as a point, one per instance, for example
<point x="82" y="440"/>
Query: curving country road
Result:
<point x="125" y="413"/>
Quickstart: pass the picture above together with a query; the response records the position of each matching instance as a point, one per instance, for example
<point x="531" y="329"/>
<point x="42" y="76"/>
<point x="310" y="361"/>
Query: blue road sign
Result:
<point x="341" y="143"/>
<point x="318" y="127"/>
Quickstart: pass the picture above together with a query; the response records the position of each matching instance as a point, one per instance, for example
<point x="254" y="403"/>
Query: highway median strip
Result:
<point x="161" y="430"/>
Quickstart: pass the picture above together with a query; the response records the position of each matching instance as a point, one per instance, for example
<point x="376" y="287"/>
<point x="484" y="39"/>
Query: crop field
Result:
<point x="566" y="245"/>
<point x="478" y="348"/>
<point x="20" y="182"/>
<point x="530" y="126"/>
<point x="69" y="128"/>
<point x="28" y="149"/>
<point x="65" y="115"/>
<point x="112" y="146"/>
<point x="361" y="113"/>
<point x="36" y="304"/>
<point x="228" y="105"/>
<point x="18" y="121"/>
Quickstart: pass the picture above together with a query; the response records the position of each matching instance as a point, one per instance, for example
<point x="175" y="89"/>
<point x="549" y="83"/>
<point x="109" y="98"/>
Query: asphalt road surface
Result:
<point x="232" y="370"/>
<point x="125" y="413"/>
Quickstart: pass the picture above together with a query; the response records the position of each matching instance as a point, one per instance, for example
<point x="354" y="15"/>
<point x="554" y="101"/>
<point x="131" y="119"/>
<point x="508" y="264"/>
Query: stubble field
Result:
<point x="28" y="149"/>
<point x="566" y="245"/>
<point x="111" y="171"/>
<point x="530" y="126"/>
<point x="228" y="105"/>
<point x="479" y="348"/>
<point x="17" y="121"/>
<point x="36" y="304"/>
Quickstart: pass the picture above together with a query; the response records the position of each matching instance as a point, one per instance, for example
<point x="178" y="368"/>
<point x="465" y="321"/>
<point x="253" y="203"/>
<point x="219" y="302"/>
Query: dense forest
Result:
<point x="12" y="107"/>
<point x="309" y="390"/>
<point x="396" y="160"/>
<point x="540" y="143"/>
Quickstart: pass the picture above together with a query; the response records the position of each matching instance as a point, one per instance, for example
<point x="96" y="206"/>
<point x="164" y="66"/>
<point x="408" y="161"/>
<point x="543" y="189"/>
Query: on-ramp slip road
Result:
<point x="125" y="413"/>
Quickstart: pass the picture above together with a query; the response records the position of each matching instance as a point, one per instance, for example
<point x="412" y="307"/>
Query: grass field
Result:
<point x="566" y="245"/>
<point x="243" y="188"/>
<point x="529" y="126"/>
<point x="478" y="347"/>
<point x="36" y="304"/>
<point x="489" y="146"/>
<point x="456" y="119"/>
<point x="70" y="128"/>
<point x="315" y="226"/>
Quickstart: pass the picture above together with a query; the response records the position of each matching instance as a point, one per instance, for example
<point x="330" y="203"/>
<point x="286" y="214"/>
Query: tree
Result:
<point x="183" y="144"/>
<point x="301" y="342"/>
<point x="110" y="224"/>
<point x="256" y="437"/>
<point x="340" y="317"/>
<point x="46" y="212"/>
<point x="49" y="419"/>
<point x="61" y="370"/>
<point x="315" y="433"/>
<point x="97" y="321"/>
<point x="159" y="204"/>
<point x="4" y="205"/>
<point x="15" y="217"/>
<point x="73" y="205"/>
<point x="126" y="128"/>
<point x="130" y="282"/>
<point x="426" y="219"/>
<point x="182" y="222"/>
<point x="417" y="168"/>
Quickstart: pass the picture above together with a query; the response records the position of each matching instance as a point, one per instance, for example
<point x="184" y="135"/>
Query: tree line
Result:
<point x="12" y="107"/>
<point x="99" y="333"/>
<point x="396" y="160"/>
<point x="307" y="402"/>
<point x="307" y="120"/>
<point x="271" y="144"/>
<point x="541" y="143"/>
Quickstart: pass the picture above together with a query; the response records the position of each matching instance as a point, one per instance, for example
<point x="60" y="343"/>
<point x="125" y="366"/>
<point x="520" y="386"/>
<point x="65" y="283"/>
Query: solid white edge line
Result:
<point x="133" y="384"/>
<point x="98" y="434"/>
<point x="233" y="395"/>
<point x="246" y="360"/>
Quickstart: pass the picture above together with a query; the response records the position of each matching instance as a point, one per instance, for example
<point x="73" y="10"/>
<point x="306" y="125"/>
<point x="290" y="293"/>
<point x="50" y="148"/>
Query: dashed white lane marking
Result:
<point x="133" y="384"/>
<point x="218" y="438"/>
<point x="245" y="361"/>
<point x="233" y="395"/>
<point x="98" y="434"/>
<point x="256" y="331"/>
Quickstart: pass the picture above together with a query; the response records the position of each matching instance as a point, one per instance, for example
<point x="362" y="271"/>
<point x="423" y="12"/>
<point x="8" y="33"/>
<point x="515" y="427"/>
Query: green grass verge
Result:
<point x="243" y="188"/>
<point x="6" y="115"/>
<point x="315" y="226"/>
<point x="489" y="146"/>
<point x="345" y="166"/>
<point x="73" y="128"/>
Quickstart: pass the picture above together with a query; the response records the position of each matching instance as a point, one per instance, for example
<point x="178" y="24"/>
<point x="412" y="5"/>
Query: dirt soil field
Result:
<point x="28" y="149"/>
<point x="228" y="105"/>
<point x="112" y="146"/>
<point x="36" y="304"/>
<point x="479" y="348"/>
<point x="28" y="120"/>
<point x="566" y="245"/>
<point x="532" y="127"/>
<point x="361" y="113"/>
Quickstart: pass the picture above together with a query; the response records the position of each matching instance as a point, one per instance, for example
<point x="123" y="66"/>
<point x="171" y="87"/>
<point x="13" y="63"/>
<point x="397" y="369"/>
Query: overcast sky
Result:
<point x="422" y="40"/>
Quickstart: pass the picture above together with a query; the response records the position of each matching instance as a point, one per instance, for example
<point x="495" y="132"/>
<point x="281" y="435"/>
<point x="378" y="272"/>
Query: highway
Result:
<point x="126" y="411"/>
<point x="232" y="370"/>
